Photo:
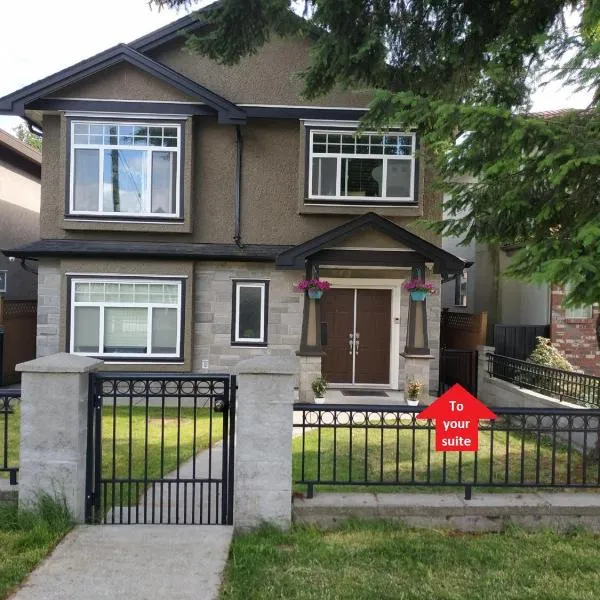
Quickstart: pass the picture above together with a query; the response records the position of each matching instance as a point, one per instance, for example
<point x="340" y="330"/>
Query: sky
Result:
<point x="40" y="37"/>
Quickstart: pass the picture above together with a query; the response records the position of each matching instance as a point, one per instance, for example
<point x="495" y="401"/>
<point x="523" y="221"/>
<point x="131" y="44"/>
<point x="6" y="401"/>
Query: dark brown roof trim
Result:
<point x="149" y="250"/>
<point x="16" y="102"/>
<point x="445" y="263"/>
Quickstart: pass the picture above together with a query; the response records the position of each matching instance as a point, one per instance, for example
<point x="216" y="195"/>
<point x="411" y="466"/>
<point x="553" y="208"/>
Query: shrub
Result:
<point x="319" y="386"/>
<point x="546" y="355"/>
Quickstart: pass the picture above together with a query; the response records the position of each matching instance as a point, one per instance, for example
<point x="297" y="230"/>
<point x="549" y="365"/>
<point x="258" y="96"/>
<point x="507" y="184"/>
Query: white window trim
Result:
<point x="3" y="281"/>
<point x="102" y="147"/>
<point x="150" y="306"/>
<point x="250" y="284"/>
<point x="369" y="200"/>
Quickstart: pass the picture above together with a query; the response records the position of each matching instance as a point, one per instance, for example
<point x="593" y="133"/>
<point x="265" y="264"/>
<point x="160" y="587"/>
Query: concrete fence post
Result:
<point x="54" y="417"/>
<point x="263" y="442"/>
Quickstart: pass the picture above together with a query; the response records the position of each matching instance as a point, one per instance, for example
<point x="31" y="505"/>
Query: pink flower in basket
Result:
<point x="418" y="285"/>
<point x="313" y="284"/>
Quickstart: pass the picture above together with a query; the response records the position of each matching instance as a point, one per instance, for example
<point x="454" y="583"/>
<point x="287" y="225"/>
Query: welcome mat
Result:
<point x="364" y="393"/>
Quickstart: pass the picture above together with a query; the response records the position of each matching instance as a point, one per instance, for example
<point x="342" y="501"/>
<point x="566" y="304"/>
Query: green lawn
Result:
<point x="162" y="434"/>
<point x="385" y="455"/>
<point x="26" y="538"/>
<point x="380" y="561"/>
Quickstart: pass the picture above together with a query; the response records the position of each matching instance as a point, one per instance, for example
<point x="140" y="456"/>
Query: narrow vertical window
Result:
<point x="249" y="312"/>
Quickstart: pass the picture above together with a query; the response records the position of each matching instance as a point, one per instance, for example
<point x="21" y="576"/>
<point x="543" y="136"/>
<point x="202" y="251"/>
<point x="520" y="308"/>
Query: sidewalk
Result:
<point x="136" y="562"/>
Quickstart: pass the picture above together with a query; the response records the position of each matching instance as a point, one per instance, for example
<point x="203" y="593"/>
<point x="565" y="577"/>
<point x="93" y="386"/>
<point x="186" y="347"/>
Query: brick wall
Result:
<point x="575" y="338"/>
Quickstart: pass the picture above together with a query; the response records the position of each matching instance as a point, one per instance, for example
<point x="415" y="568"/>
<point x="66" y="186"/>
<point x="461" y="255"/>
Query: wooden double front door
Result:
<point x="356" y="334"/>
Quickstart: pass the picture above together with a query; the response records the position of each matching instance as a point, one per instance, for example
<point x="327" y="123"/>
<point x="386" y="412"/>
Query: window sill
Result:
<point x="405" y="210"/>
<point x="129" y="225"/>
<point x="249" y="344"/>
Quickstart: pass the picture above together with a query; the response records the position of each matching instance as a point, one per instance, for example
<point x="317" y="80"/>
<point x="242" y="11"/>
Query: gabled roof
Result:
<point x="15" y="103"/>
<point x="445" y="263"/>
<point x="18" y="147"/>
<point x="188" y="24"/>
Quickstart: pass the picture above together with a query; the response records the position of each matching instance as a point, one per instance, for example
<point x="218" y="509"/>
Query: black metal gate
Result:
<point x="458" y="366"/>
<point x="160" y="449"/>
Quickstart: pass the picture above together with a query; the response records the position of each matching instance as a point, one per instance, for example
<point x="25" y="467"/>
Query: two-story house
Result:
<point x="183" y="200"/>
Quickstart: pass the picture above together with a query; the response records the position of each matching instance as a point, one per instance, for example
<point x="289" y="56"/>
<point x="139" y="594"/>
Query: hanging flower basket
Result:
<point x="419" y="289"/>
<point x="314" y="287"/>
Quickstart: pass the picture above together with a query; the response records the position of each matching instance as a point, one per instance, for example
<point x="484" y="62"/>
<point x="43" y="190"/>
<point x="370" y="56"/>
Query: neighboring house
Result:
<point x="183" y="200"/>
<point x="20" y="174"/>
<point x="521" y="306"/>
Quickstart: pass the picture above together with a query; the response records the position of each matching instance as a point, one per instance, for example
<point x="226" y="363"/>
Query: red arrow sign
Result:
<point x="457" y="414"/>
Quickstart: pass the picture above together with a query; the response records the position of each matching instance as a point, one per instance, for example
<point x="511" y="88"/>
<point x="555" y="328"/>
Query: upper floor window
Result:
<point x="361" y="169"/>
<point x="577" y="312"/>
<point x="126" y="169"/>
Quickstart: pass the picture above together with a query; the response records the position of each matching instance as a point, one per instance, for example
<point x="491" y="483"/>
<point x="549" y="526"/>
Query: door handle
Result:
<point x="356" y="342"/>
<point x="351" y="343"/>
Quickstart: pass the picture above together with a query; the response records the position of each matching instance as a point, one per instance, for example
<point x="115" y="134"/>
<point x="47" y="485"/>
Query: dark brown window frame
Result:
<point x="265" y="313"/>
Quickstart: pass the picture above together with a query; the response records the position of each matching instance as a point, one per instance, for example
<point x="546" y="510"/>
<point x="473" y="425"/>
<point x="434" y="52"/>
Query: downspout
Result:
<point x="237" y="238"/>
<point x="33" y="127"/>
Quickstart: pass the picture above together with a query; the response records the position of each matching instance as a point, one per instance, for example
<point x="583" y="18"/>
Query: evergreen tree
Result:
<point x="462" y="72"/>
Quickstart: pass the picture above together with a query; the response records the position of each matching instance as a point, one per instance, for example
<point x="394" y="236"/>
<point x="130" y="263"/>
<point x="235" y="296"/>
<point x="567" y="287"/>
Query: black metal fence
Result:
<point x="9" y="433"/>
<point x="160" y="449"/>
<point x="386" y="446"/>
<point x="518" y="341"/>
<point x="563" y="385"/>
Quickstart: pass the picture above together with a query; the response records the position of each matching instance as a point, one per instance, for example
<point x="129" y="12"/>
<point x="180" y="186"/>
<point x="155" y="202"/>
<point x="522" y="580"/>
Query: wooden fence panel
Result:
<point x="18" y="320"/>
<point x="462" y="331"/>
<point x="518" y="341"/>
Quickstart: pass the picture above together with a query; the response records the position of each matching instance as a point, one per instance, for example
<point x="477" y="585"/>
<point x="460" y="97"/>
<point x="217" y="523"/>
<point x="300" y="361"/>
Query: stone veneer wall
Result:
<point x="213" y="313"/>
<point x="48" y="309"/>
<point x="575" y="338"/>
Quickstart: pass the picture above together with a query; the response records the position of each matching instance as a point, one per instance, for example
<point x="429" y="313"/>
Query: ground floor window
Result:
<point x="250" y="310"/>
<point x="126" y="318"/>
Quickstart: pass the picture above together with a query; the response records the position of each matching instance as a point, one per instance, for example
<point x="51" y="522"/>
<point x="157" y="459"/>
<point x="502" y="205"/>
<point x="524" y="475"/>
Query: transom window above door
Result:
<point x="125" y="169"/>
<point x="367" y="168"/>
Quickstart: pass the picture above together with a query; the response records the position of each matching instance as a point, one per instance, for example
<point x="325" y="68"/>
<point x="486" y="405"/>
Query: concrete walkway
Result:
<point x="136" y="562"/>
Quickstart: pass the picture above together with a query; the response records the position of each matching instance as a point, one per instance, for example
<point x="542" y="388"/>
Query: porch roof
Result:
<point x="420" y="250"/>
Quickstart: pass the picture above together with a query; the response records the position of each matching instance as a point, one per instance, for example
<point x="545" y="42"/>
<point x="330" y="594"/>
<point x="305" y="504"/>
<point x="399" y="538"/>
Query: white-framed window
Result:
<point x="250" y="312"/>
<point x="126" y="318"/>
<point x="129" y="169"/>
<point x="460" y="292"/>
<point x="3" y="278"/>
<point x="578" y="312"/>
<point x="361" y="168"/>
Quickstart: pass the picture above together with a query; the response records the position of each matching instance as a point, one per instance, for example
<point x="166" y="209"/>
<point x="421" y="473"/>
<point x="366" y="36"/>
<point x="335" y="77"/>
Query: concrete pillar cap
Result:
<point x="268" y="365"/>
<point x="62" y="362"/>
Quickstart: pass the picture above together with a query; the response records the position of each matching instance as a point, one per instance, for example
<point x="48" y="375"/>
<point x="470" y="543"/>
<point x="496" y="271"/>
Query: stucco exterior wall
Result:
<point x="123" y="82"/>
<point x="268" y="77"/>
<point x="271" y="176"/>
<point x="19" y="224"/>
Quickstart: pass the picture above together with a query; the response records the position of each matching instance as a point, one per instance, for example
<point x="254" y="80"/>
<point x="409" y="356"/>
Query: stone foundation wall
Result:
<point x="213" y="313"/>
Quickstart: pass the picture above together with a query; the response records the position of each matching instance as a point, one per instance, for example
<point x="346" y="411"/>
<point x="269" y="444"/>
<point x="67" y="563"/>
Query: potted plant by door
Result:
<point x="314" y="287"/>
<point x="413" y="391"/>
<point x="419" y="289"/>
<point x="319" y="387"/>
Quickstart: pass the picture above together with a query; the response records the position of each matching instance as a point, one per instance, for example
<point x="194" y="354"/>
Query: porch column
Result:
<point x="311" y="351"/>
<point x="417" y="354"/>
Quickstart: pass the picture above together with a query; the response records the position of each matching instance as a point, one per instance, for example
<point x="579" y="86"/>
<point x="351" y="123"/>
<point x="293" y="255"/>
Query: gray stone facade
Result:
<point x="48" y="310"/>
<point x="213" y="313"/>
